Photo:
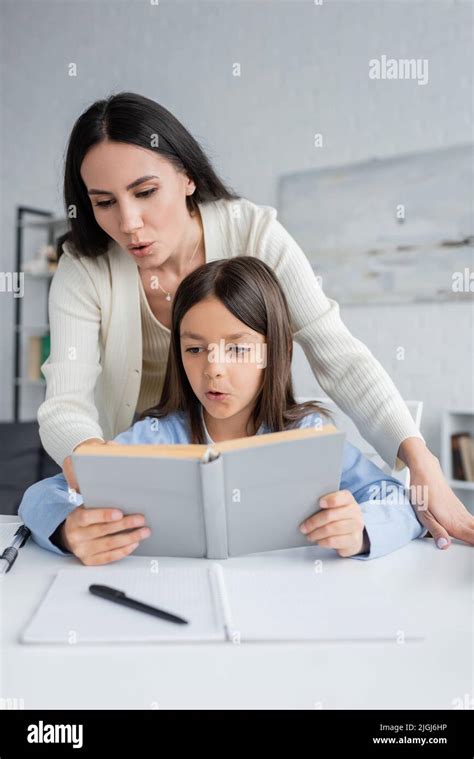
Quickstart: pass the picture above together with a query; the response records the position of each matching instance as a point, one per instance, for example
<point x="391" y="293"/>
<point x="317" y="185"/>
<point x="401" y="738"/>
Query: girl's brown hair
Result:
<point x="249" y="289"/>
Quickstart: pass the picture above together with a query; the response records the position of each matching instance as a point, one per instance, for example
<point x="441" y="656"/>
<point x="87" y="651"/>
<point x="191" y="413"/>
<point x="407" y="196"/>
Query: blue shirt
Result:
<point x="389" y="518"/>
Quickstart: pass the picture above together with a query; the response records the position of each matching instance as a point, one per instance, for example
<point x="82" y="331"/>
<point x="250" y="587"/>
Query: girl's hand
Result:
<point x="95" y="535"/>
<point x="339" y="525"/>
<point x="68" y="471"/>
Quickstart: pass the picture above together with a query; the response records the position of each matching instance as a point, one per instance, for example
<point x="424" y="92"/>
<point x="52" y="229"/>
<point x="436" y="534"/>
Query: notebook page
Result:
<point x="7" y="531"/>
<point x="300" y="604"/>
<point x="70" y="613"/>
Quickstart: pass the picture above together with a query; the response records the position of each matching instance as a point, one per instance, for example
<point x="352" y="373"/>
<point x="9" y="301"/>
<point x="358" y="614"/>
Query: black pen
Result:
<point x="119" y="597"/>
<point x="7" y="559"/>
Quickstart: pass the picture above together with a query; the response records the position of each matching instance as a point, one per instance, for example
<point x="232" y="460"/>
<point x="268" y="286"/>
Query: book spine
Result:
<point x="45" y="349"/>
<point x="466" y="452"/>
<point x="213" y="502"/>
<point x="34" y="357"/>
<point x="458" y="470"/>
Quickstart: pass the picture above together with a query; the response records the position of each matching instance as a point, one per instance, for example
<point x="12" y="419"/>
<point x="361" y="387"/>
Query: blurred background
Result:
<point x="279" y="94"/>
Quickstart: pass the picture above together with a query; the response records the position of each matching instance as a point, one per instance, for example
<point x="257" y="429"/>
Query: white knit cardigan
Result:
<point x="94" y="370"/>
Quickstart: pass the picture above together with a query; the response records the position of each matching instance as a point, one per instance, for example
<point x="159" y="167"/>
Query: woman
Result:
<point x="145" y="209"/>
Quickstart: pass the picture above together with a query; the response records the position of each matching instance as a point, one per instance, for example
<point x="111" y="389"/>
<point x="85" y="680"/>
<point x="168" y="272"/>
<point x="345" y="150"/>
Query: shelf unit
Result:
<point x="28" y="218"/>
<point x="454" y="421"/>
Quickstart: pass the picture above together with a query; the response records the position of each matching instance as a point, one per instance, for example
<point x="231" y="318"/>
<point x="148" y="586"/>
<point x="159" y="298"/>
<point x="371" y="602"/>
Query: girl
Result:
<point x="228" y="376"/>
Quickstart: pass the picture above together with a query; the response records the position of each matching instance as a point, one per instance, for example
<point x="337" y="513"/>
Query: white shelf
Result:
<point x="455" y="421"/>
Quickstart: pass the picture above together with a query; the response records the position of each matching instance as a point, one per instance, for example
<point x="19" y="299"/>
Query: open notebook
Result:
<point x="221" y="603"/>
<point x="216" y="501"/>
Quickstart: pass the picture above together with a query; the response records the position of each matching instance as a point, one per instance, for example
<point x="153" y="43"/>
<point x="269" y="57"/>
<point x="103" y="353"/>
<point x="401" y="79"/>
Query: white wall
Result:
<point x="438" y="363"/>
<point x="303" y="70"/>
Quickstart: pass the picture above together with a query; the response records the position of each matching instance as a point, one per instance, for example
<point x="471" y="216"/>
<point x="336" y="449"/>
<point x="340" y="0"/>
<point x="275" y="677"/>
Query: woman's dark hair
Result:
<point x="137" y="120"/>
<point x="249" y="289"/>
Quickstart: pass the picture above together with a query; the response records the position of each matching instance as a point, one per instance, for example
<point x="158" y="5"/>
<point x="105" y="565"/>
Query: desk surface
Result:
<point x="435" y="585"/>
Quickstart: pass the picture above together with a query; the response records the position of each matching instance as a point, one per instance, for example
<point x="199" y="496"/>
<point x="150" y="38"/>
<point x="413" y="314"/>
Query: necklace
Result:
<point x="168" y="295"/>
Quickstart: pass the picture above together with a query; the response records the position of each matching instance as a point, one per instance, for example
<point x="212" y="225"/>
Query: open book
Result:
<point x="290" y="602"/>
<point x="216" y="501"/>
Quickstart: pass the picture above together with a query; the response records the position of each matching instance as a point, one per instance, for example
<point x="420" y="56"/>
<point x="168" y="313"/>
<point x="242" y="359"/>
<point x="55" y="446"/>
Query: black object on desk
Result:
<point x="119" y="597"/>
<point x="7" y="559"/>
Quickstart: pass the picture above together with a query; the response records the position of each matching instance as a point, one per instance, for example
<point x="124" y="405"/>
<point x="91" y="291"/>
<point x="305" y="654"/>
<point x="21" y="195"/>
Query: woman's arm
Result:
<point x="348" y="372"/>
<point x="69" y="416"/>
<point x="343" y="366"/>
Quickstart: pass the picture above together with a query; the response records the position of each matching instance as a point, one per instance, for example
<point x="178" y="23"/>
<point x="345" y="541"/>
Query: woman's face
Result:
<point x="221" y="353"/>
<point x="138" y="196"/>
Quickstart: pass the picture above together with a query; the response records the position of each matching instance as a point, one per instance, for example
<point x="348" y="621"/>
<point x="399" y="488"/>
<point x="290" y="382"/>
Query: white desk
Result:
<point x="435" y="585"/>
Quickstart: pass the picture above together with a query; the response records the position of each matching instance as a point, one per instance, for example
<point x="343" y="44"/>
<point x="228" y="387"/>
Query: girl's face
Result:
<point x="137" y="196"/>
<point x="224" y="360"/>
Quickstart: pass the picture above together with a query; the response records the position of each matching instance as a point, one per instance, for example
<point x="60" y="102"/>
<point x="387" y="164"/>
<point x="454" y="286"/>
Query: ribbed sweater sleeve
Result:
<point x="343" y="366"/>
<point x="69" y="415"/>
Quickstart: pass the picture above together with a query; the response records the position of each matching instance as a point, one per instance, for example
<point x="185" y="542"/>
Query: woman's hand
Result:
<point x="436" y="506"/>
<point x="68" y="471"/>
<point x="95" y="535"/>
<point x="339" y="525"/>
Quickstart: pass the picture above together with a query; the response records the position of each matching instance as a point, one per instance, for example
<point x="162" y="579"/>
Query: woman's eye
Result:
<point x="193" y="350"/>
<point x="239" y="348"/>
<point x="144" y="194"/>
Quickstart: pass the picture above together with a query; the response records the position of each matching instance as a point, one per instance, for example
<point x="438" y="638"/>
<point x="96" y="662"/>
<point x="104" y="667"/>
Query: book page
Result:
<point x="176" y="451"/>
<point x="198" y="451"/>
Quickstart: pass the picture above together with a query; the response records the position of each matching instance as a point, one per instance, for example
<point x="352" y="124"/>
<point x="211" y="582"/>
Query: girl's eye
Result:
<point x="239" y="348"/>
<point x="193" y="350"/>
<point x="144" y="194"/>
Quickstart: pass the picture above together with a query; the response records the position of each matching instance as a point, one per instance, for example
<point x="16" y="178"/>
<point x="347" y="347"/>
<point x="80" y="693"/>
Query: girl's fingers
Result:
<point x="68" y="472"/>
<point x="326" y="516"/>
<point x="107" y="528"/>
<point x="109" y="556"/>
<point x="86" y="517"/>
<point x="113" y="542"/>
<point x="338" y="541"/>
<point x="90" y="548"/>
<point x="342" y="527"/>
<point x="339" y="498"/>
